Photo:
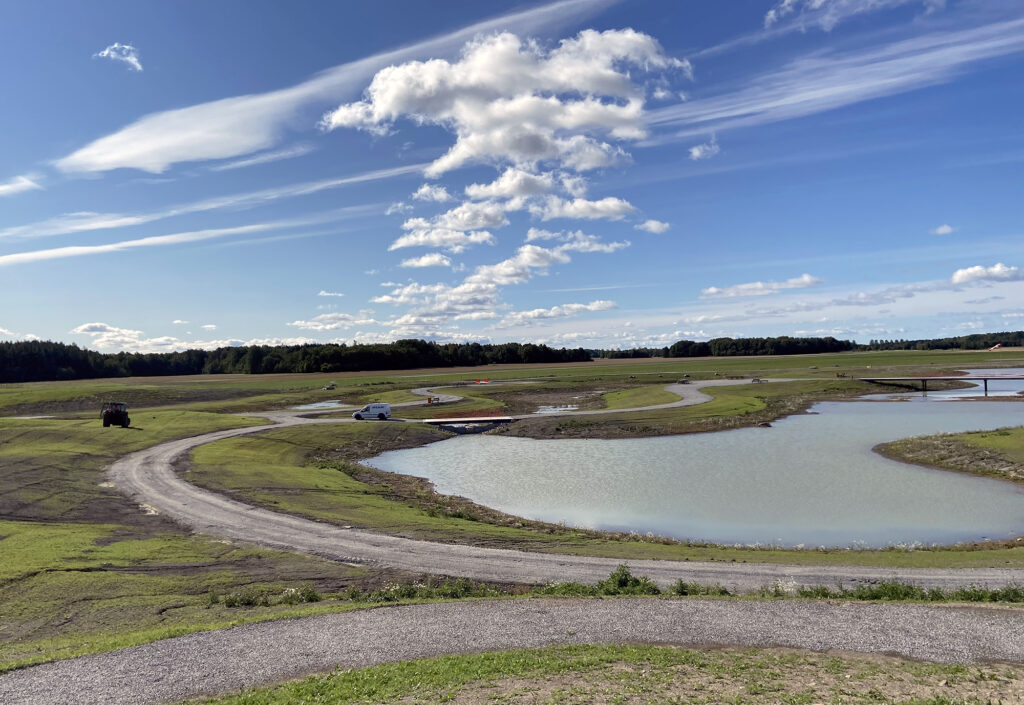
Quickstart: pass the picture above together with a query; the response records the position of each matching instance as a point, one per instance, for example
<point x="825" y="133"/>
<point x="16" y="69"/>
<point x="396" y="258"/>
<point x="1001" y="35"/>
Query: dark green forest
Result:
<point x="34" y="361"/>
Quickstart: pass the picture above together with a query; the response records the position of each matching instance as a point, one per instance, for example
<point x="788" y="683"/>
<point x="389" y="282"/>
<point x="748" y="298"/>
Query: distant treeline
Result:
<point x="34" y="361"/>
<point x="977" y="341"/>
<point x="726" y="347"/>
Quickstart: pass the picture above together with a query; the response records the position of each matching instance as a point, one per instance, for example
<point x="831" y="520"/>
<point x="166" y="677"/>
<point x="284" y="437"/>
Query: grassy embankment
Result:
<point x="998" y="453"/>
<point x="82" y="569"/>
<point x="311" y="471"/>
<point x="650" y="674"/>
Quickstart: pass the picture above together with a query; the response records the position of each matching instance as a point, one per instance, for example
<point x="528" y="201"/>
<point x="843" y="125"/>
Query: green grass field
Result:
<point x="1008" y="442"/>
<point x="568" y="675"/>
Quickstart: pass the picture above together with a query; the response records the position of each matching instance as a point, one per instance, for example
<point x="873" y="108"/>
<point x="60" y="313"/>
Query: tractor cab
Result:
<point x="115" y="413"/>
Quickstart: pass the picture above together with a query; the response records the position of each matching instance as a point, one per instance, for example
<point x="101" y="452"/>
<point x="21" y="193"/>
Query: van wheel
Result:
<point x="359" y="417"/>
<point x="382" y="417"/>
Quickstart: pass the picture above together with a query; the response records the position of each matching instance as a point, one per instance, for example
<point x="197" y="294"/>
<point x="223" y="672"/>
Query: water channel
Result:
<point x="809" y="480"/>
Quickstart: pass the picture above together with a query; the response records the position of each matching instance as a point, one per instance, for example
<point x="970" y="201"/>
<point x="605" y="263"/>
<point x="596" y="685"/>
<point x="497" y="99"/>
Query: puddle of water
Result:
<point x="556" y="409"/>
<point x="809" y="480"/>
<point x="334" y="404"/>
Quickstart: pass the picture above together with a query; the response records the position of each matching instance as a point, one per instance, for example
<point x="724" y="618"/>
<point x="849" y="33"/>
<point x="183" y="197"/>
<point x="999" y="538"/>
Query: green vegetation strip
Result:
<point x="606" y="674"/>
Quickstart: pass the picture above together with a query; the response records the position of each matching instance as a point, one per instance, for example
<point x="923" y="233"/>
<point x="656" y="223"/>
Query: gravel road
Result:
<point x="222" y="661"/>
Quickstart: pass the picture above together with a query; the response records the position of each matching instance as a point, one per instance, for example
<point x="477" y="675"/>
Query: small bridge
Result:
<point x="984" y="379"/>
<point x="477" y="424"/>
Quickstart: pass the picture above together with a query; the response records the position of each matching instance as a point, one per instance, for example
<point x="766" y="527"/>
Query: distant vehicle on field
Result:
<point x="115" y="413"/>
<point x="376" y="410"/>
<point x="329" y="387"/>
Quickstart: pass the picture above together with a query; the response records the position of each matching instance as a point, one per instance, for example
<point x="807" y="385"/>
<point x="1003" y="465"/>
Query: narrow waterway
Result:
<point x="809" y="480"/>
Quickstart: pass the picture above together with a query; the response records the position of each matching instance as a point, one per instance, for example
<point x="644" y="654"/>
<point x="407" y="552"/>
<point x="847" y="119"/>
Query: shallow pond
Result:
<point x="810" y="479"/>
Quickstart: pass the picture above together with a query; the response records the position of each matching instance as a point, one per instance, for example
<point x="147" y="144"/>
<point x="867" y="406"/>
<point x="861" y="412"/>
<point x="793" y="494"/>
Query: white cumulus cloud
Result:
<point x="509" y="100"/>
<point x="653" y="226"/>
<point x="125" y="53"/>
<point x="431" y="192"/>
<point x="562" y="311"/>
<point x="705" y="151"/>
<point x="997" y="272"/>
<point x="433" y="259"/>
<point x="611" y="208"/>
<point x="513" y="183"/>
<point x="333" y="321"/>
<point x="240" y="125"/>
<point x="324" y="292"/>
<point x="943" y="229"/>
<point x="759" y="288"/>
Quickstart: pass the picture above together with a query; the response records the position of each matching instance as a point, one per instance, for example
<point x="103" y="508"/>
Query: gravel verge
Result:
<point x="209" y="663"/>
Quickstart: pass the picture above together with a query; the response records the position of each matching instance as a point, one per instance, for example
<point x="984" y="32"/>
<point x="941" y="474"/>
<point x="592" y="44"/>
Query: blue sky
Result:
<point x="593" y="173"/>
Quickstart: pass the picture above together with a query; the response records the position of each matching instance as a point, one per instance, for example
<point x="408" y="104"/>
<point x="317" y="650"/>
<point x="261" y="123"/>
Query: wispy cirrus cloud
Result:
<point x="299" y="150"/>
<point x="125" y="53"/>
<point x="233" y="127"/>
<point x="85" y="222"/>
<point x="833" y="79"/>
<point x="827" y="14"/>
<point x="19" y="184"/>
<point x="172" y="239"/>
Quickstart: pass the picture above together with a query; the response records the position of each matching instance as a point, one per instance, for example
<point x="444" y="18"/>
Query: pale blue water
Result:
<point x="810" y="479"/>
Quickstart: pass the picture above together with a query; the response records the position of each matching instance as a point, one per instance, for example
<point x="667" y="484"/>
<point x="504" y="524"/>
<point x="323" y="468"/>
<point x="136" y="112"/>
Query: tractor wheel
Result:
<point x="382" y="417"/>
<point x="359" y="417"/>
<point x="105" y="423"/>
<point x="124" y="424"/>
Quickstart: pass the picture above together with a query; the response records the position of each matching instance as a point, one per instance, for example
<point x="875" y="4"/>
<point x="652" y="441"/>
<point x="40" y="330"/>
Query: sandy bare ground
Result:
<point x="215" y="662"/>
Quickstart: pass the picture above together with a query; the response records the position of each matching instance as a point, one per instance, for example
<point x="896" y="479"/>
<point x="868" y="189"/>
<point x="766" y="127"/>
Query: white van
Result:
<point x="380" y="411"/>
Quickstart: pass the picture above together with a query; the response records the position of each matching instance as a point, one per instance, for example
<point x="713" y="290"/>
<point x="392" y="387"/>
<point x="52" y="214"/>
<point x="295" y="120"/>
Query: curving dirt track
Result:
<point x="208" y="663"/>
<point x="148" y="478"/>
